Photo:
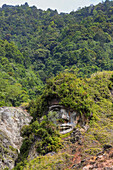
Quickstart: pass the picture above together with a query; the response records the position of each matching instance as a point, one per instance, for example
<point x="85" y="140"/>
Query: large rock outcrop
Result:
<point x="11" y="121"/>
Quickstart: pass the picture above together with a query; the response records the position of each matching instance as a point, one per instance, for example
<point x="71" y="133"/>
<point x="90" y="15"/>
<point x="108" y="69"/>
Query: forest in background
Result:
<point x="36" y="45"/>
<point x="45" y="55"/>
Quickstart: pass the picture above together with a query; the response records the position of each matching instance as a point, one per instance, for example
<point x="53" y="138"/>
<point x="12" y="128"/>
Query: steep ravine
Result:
<point x="11" y="121"/>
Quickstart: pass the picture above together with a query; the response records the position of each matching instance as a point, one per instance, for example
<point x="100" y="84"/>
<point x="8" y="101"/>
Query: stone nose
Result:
<point x="65" y="116"/>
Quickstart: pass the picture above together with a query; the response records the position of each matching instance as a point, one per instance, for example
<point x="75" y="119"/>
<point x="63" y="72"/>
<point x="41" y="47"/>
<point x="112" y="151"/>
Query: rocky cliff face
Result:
<point x="11" y="121"/>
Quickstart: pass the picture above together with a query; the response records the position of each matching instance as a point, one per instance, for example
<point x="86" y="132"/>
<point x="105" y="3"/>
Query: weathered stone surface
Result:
<point x="64" y="118"/>
<point x="76" y="136"/>
<point x="11" y="121"/>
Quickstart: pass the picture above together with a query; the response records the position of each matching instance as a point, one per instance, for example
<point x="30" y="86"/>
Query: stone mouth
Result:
<point x="65" y="128"/>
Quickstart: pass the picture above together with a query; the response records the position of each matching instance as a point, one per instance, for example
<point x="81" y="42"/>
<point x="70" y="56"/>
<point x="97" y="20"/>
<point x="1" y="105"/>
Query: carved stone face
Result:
<point x="64" y="119"/>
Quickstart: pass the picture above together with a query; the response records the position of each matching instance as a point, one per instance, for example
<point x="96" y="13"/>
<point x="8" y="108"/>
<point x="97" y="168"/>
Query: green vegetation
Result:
<point x="44" y="56"/>
<point x="91" y="98"/>
<point x="17" y="84"/>
<point x="69" y="90"/>
<point x="86" y="96"/>
<point x="43" y="137"/>
<point x="56" y="161"/>
<point x="37" y="45"/>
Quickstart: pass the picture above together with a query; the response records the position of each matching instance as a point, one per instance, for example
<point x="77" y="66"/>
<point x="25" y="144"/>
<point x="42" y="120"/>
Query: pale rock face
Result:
<point x="66" y="120"/>
<point x="11" y="121"/>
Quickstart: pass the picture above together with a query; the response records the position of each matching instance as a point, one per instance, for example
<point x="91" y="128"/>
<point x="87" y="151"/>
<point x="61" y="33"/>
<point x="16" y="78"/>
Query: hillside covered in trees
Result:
<point x="45" y="55"/>
<point x="36" y="45"/>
